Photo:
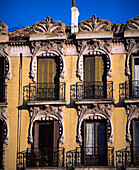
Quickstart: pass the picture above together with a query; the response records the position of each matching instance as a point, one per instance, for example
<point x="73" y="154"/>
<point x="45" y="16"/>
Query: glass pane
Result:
<point x="90" y="139"/>
<point x="137" y="137"/>
<point x="136" y="61"/>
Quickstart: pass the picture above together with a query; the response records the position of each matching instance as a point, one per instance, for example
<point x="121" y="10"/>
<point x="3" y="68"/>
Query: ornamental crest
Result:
<point x="132" y="24"/>
<point x="3" y="28"/>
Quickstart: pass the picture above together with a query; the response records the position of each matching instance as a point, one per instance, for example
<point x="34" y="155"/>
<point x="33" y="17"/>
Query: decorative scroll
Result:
<point x="99" y="112"/>
<point x="4" y="119"/>
<point x="3" y="28"/>
<point x="49" y="26"/>
<point x="132" y="46"/>
<point x="47" y="112"/>
<point x="44" y="49"/>
<point x="132" y="112"/>
<point x="4" y="53"/>
<point x="94" y="24"/>
<point x="94" y="47"/>
<point x="132" y="24"/>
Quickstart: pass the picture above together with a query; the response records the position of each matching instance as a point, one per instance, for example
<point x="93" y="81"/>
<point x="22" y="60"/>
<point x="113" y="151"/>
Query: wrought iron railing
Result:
<point x="127" y="156"/>
<point x="132" y="89"/>
<point x="94" y="90"/>
<point x="3" y="93"/>
<point x="81" y="157"/>
<point x="41" y="158"/>
<point x="44" y="91"/>
<point x="2" y="154"/>
<point x="15" y="28"/>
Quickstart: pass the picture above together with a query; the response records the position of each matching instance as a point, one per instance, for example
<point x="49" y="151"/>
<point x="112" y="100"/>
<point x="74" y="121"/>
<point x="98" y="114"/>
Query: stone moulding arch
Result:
<point x="133" y="112"/>
<point x="4" y="118"/>
<point x="46" y="53"/>
<point x="50" y="113"/>
<point x="93" y="52"/>
<point x="92" y="114"/>
<point x="7" y="67"/>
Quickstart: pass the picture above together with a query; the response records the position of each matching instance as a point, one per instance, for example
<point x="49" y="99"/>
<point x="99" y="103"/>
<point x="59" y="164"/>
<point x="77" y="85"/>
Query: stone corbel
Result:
<point x="47" y="112"/>
<point x="4" y="119"/>
<point x="98" y="112"/>
<point x="45" y="49"/>
<point x="94" y="47"/>
<point x="132" y="112"/>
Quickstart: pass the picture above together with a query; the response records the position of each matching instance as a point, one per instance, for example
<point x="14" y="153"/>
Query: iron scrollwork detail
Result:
<point x="98" y="112"/>
<point x="47" y="112"/>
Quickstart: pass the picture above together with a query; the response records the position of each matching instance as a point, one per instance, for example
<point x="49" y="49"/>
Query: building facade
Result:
<point x="69" y="97"/>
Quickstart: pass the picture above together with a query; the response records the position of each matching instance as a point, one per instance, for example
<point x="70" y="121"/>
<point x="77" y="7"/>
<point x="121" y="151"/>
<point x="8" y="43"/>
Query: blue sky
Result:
<point x="27" y="12"/>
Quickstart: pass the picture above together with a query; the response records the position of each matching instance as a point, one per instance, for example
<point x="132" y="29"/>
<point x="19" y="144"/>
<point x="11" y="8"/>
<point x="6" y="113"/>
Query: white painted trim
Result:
<point x="137" y="35"/>
<point x="48" y="38"/>
<point x="93" y="37"/>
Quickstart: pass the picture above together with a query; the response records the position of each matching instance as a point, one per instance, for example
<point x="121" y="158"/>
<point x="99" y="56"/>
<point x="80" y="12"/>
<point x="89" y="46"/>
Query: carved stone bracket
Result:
<point x="47" y="112"/>
<point x="98" y="112"/>
<point x="44" y="49"/>
<point x="94" y="24"/>
<point x="94" y="47"/>
<point x="132" y="112"/>
<point x="48" y="25"/>
<point x="132" y="46"/>
<point x="4" y="119"/>
<point x="4" y="53"/>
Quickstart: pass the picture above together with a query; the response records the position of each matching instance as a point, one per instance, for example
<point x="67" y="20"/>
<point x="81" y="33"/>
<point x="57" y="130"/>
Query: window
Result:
<point x="48" y="78"/>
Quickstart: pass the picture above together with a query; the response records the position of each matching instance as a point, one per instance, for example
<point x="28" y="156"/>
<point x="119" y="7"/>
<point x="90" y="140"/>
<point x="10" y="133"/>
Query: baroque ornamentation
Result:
<point x="132" y="46"/>
<point x="4" y="119"/>
<point x="47" y="112"/>
<point x="4" y="53"/>
<point x="94" y="24"/>
<point x="132" y="112"/>
<point x="94" y="47"/>
<point x="48" y="25"/>
<point x="3" y="28"/>
<point x="132" y="24"/>
<point x="44" y="49"/>
<point x="98" y="112"/>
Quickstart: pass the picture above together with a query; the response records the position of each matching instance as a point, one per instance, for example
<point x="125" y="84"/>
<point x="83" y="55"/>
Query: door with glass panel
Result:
<point x="48" y="78"/>
<point x="95" y="142"/>
<point x="94" y="76"/>
<point x="136" y="76"/>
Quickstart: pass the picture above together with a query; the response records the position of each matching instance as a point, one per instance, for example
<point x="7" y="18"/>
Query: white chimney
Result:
<point x="74" y="18"/>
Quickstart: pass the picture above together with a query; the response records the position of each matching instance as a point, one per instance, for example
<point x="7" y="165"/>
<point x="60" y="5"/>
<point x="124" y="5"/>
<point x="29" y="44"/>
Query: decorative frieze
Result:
<point x="47" y="112"/>
<point x="44" y="49"/>
<point x="94" y="47"/>
<point x="97" y="112"/>
<point x="4" y="119"/>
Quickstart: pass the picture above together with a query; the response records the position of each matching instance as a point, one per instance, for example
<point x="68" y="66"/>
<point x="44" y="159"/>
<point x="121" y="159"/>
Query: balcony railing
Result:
<point x="127" y="156"/>
<point x="94" y="90"/>
<point x="3" y="93"/>
<point x="41" y="158"/>
<point x="132" y="89"/>
<point x="44" y="91"/>
<point x="2" y="154"/>
<point x="80" y="157"/>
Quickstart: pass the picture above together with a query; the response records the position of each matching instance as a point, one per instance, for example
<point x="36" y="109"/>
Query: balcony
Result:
<point x="44" y="91"/>
<point x="81" y="157"/>
<point x="3" y="93"/>
<point x="41" y="158"/>
<point x="132" y="89"/>
<point x="94" y="90"/>
<point x="127" y="157"/>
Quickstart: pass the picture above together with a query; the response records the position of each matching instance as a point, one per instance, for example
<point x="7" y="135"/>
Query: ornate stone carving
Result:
<point x="4" y="119"/>
<point x="94" y="47"/>
<point x="132" y="112"/>
<point x="94" y="24"/>
<point x="48" y="25"/>
<point x="98" y="112"/>
<point x="4" y="53"/>
<point x="132" y="46"/>
<point x="132" y="24"/>
<point x="3" y="28"/>
<point x="47" y="112"/>
<point x="44" y="49"/>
